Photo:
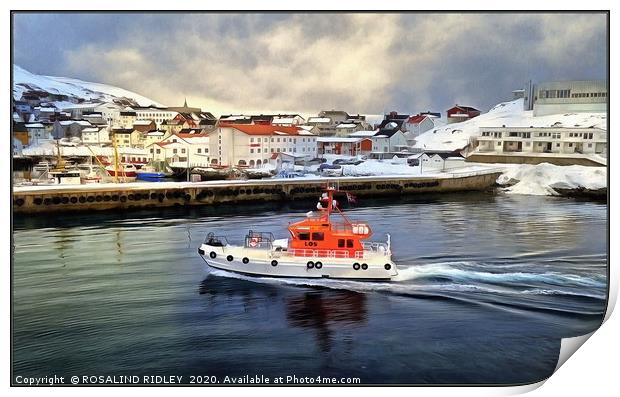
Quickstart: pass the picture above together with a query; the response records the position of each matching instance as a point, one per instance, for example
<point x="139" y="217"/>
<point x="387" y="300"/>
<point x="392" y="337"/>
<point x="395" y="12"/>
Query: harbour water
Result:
<point x="489" y="284"/>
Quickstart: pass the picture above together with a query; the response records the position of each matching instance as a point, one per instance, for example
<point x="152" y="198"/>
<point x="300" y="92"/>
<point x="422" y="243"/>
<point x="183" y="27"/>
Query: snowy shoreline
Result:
<point x="552" y="180"/>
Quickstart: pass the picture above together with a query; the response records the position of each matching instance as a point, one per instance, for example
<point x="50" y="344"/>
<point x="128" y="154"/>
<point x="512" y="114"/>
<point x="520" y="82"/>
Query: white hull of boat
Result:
<point x="261" y="262"/>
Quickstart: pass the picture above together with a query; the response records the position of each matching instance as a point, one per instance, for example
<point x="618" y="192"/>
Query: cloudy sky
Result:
<point x="366" y="63"/>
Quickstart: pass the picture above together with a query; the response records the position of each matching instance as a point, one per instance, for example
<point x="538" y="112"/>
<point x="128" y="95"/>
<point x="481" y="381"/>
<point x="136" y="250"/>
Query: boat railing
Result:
<point x="216" y="241"/>
<point x="376" y="247"/>
<point x="342" y="254"/>
<point x="259" y="240"/>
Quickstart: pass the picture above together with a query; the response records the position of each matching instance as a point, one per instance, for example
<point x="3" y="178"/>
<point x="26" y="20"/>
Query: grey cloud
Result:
<point x="306" y="62"/>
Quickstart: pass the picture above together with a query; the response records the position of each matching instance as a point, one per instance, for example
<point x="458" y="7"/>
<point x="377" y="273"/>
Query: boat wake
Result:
<point x="451" y="279"/>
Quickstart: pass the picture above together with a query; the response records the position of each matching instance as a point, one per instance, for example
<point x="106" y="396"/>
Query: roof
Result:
<point x="262" y="129"/>
<point x="90" y="129"/>
<point x="346" y="125"/>
<point x="359" y="134"/>
<point x="80" y="122"/>
<point x="466" y="108"/>
<point x="416" y="119"/>
<point x="34" y="125"/>
<point x="283" y="120"/>
<point x="336" y="139"/>
<point x="386" y="132"/>
<point x="398" y="124"/>
<point x="319" y="120"/>
<point x="143" y="122"/>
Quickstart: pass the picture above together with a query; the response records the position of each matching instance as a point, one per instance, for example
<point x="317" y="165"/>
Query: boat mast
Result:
<point x="116" y="167"/>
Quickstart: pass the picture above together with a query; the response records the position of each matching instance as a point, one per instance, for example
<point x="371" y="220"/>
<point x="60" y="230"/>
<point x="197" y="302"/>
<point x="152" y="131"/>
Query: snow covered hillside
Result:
<point x="456" y="136"/>
<point x="24" y="82"/>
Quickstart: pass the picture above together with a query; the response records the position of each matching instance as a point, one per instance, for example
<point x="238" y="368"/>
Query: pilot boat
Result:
<point x="318" y="247"/>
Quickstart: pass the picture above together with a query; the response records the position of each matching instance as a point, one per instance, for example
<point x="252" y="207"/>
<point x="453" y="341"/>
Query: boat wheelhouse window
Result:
<point x="340" y="243"/>
<point x="318" y="236"/>
<point x="349" y="243"/>
<point x="304" y="236"/>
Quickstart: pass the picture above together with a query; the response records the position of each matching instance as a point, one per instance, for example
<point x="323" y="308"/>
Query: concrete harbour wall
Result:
<point x="125" y="196"/>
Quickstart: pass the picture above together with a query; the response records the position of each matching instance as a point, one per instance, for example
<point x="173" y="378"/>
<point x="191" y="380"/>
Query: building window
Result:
<point x="151" y="150"/>
<point x="556" y="145"/>
<point x="570" y="145"/>
<point x="272" y="150"/>
<point x="500" y="144"/>
<point x="174" y="151"/>
<point x="589" y="145"/>
<point x="251" y="140"/>
<point x="265" y="140"/>
<point x="199" y="150"/>
<point x="349" y="243"/>
<point x="158" y="151"/>
<point x="183" y="151"/>
<point x="303" y="236"/>
<point x="251" y="150"/>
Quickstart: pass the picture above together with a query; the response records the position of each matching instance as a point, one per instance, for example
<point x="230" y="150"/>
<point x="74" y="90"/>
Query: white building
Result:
<point x="560" y="146"/>
<point x="158" y="115"/>
<point x="95" y="136"/>
<point x="416" y="125"/>
<point x="288" y="120"/>
<point x="110" y="112"/>
<point x="566" y="97"/>
<point x="388" y="141"/>
<point x="253" y="144"/>
<point x="182" y="149"/>
<point x="152" y="137"/>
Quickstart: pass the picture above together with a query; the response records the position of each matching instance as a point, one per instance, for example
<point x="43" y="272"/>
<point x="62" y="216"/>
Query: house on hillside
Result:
<point x="153" y="136"/>
<point x="418" y="124"/>
<point x="182" y="149"/>
<point x="96" y="135"/>
<point x="144" y="126"/>
<point x="288" y="120"/>
<point x="69" y="128"/>
<point x="458" y="113"/>
<point x="126" y="137"/>
<point x="20" y="132"/>
<point x="346" y="128"/>
<point x="388" y="140"/>
<point x="127" y="117"/>
<point x="38" y="132"/>
<point x="336" y="116"/>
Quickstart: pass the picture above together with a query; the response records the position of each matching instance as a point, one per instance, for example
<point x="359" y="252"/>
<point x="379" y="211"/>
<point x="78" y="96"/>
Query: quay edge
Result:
<point x="126" y="196"/>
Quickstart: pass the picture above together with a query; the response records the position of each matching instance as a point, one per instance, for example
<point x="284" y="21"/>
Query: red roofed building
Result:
<point x="252" y="145"/>
<point x="415" y="125"/>
<point x="458" y="113"/>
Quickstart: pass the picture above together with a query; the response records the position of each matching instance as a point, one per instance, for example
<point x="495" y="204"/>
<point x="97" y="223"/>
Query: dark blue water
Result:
<point x="489" y="284"/>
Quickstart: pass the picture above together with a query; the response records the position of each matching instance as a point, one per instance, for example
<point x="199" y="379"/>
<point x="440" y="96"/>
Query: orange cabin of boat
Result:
<point x="318" y="236"/>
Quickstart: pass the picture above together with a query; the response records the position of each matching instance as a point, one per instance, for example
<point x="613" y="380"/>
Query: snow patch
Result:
<point x="543" y="179"/>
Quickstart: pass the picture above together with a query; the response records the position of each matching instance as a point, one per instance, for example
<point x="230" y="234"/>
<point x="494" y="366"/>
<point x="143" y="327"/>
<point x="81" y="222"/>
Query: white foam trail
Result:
<point x="459" y="283"/>
<point x="448" y="270"/>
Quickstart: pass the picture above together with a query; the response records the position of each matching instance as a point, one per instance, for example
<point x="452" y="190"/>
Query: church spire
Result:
<point x="185" y="103"/>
